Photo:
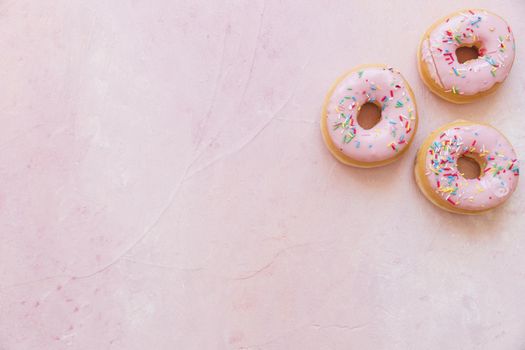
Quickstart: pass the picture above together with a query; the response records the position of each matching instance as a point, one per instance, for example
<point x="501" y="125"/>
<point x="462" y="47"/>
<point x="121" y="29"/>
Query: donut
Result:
<point x="438" y="173"/>
<point x="449" y="73"/>
<point x="356" y="144"/>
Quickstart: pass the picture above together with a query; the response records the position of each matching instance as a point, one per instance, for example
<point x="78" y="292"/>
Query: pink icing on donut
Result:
<point x="500" y="176"/>
<point x="470" y="27"/>
<point x="385" y="87"/>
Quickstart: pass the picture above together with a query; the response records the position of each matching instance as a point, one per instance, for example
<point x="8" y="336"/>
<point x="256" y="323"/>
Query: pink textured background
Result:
<point x="163" y="184"/>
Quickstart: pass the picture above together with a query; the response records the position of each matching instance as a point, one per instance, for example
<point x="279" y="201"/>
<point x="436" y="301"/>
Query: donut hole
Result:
<point x="369" y="115"/>
<point x="470" y="166"/>
<point x="467" y="53"/>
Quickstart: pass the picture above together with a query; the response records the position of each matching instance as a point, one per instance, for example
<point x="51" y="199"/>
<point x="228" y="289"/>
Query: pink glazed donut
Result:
<point x="440" y="179"/>
<point x="442" y="66"/>
<point x="363" y="146"/>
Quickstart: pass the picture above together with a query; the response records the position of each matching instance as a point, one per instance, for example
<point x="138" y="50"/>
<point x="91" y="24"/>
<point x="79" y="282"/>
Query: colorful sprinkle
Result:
<point x="348" y="138"/>
<point x="475" y="21"/>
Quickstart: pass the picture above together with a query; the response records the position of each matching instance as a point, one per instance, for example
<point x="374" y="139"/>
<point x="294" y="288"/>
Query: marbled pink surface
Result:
<point x="164" y="184"/>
